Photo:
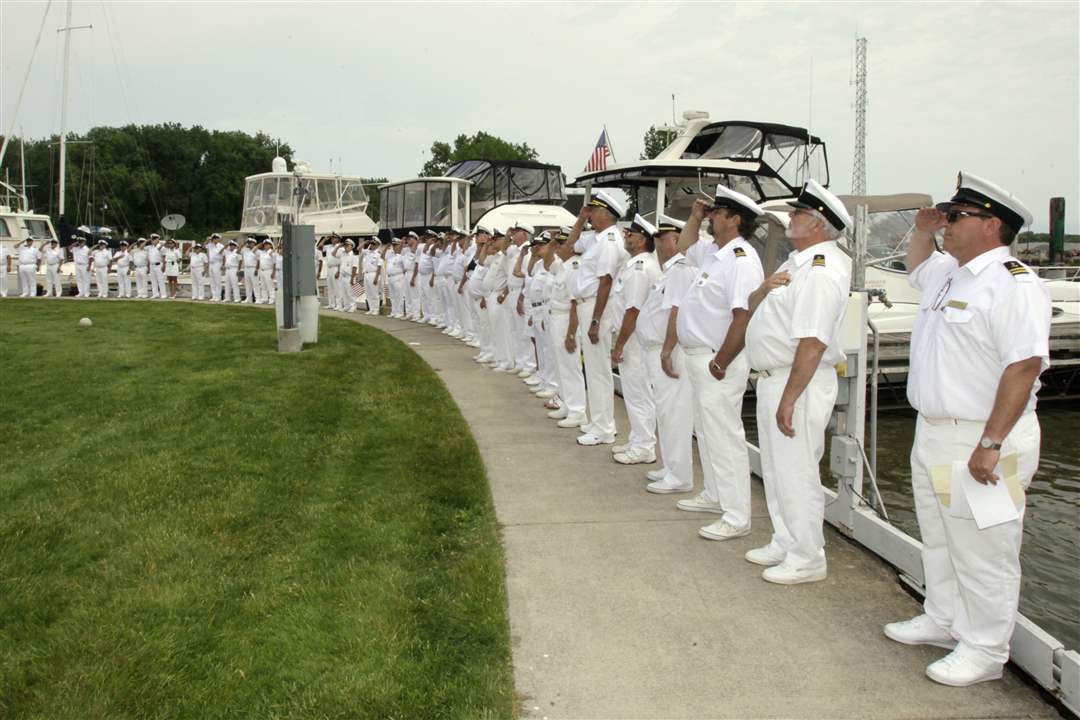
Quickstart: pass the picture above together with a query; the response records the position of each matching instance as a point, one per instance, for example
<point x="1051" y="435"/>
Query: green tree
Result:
<point x="129" y="177"/>
<point x="655" y="140"/>
<point x="480" y="146"/>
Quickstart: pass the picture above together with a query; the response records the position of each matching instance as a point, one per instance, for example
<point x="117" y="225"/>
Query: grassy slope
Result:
<point x="193" y="526"/>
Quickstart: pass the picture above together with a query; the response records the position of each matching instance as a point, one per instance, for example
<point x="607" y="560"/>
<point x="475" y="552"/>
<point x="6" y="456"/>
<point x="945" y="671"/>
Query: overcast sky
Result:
<point x="992" y="89"/>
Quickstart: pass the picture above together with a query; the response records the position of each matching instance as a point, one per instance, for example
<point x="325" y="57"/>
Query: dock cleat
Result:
<point x="962" y="667"/>
<point x="920" y="630"/>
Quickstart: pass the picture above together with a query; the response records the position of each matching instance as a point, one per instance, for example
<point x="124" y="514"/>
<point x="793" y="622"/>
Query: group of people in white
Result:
<point x="687" y="318"/>
<point x="216" y="269"/>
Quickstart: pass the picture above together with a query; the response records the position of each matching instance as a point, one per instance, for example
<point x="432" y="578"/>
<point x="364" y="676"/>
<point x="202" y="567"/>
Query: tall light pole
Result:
<point x="858" y="169"/>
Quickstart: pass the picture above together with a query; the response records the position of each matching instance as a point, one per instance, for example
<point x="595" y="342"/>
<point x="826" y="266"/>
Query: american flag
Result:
<point x="598" y="160"/>
<point x="358" y="291"/>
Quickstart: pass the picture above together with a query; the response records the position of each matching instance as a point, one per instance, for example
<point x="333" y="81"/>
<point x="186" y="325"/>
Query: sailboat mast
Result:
<point x="22" y="167"/>
<point x="63" y="106"/>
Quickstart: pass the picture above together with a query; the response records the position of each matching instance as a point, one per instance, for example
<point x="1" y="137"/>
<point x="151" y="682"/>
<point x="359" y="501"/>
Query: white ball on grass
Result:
<point x="85" y="322"/>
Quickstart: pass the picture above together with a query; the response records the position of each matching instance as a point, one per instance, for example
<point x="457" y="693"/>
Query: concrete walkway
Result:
<point x="619" y="610"/>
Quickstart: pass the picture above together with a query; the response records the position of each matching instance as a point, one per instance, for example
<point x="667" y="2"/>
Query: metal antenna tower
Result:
<point x="858" y="169"/>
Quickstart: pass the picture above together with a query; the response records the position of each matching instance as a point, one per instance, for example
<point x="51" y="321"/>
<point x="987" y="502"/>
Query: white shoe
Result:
<point x="589" y="439"/>
<point x="573" y="421"/>
<point x="545" y="394"/>
<point x="723" y="530"/>
<point x="783" y="575"/>
<point x="558" y="414"/>
<point x="699" y="504"/>
<point x="920" y="630"/>
<point x="616" y="449"/>
<point x="473" y="344"/>
<point x="767" y="556"/>
<point x="656" y="475"/>
<point x="664" y="487"/>
<point x="483" y="358"/>
<point x="503" y="368"/>
<point x="634" y="456"/>
<point x="532" y="381"/>
<point x="524" y="374"/>
<point x="961" y="668"/>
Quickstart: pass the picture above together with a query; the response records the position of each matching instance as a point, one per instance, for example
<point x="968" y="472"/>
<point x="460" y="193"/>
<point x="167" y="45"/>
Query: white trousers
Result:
<point x="674" y="426"/>
<point x="27" y="280"/>
<point x="500" y="330"/>
<point x="450" y="318"/>
<point x="371" y="291"/>
<point x="82" y="280"/>
<point x="972" y="576"/>
<point x="266" y="287"/>
<point x="52" y="281"/>
<point x="3" y="280"/>
<point x="141" y="280"/>
<point x="231" y="286"/>
<point x="412" y="296"/>
<point x="331" y="286"/>
<point x="790" y="466"/>
<point x="397" y="295"/>
<point x="344" y="291"/>
<point x="123" y="282"/>
<point x="101" y="279"/>
<point x="545" y="349"/>
<point x="426" y="301"/>
<point x="638" y="397"/>
<point x="198" y="282"/>
<point x="568" y="365"/>
<point x="250" y="285"/>
<point x="599" y="383"/>
<point x="523" y="353"/>
<point x="215" y="282"/>
<point x="725" y="464"/>
<point x="465" y="315"/>
<point x="157" y="281"/>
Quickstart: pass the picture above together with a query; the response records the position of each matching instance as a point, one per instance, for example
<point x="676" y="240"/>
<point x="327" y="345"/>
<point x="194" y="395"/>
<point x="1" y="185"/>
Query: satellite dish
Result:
<point x="173" y="222"/>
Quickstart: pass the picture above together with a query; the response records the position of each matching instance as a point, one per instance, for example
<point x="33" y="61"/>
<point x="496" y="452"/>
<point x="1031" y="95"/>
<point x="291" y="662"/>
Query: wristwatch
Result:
<point x="987" y="444"/>
<point x="594" y="322"/>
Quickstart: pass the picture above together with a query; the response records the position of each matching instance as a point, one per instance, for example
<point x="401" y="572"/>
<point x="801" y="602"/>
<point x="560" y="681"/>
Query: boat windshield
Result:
<point x="38" y="229"/>
<point x="422" y="203"/>
<point x="783" y="152"/>
<point x="501" y="182"/>
<point x="888" y="236"/>
<point x="267" y="200"/>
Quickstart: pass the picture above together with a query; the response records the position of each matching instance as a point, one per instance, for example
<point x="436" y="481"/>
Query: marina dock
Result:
<point x="619" y="610"/>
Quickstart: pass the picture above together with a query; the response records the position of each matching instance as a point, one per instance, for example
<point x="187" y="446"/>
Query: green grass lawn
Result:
<point x="194" y="526"/>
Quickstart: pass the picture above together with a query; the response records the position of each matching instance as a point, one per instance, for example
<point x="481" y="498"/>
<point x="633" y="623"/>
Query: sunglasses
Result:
<point x="954" y="215"/>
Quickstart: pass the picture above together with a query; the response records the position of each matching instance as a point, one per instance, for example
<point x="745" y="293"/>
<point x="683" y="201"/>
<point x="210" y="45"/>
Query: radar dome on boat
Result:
<point x="279" y="166"/>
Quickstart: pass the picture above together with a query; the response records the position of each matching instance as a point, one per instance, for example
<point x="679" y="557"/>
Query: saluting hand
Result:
<point x="930" y="220"/>
<point x="981" y="465"/>
<point x="700" y="209"/>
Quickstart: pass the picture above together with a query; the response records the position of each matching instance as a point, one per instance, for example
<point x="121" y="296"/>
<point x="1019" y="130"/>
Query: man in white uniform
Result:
<point x="251" y="262"/>
<point x="408" y="261"/>
<point x="347" y="276"/>
<point x="372" y="263"/>
<point x="122" y="262"/>
<point x="793" y="341"/>
<point x="54" y="258"/>
<point x="80" y="257"/>
<point x="518" y="236"/>
<point x="425" y="266"/>
<point x="495" y="293"/>
<point x="102" y="258"/>
<point x="29" y="265"/>
<point x="214" y="249"/>
<point x="665" y="364"/>
<point x="231" y="260"/>
<point x="266" y="273"/>
<point x="628" y="295"/>
<point x="141" y="262"/>
<point x="197" y="263"/>
<point x="601" y="261"/>
<point x="565" y="335"/>
<point x="980" y="341"/>
<point x="331" y="265"/>
<point x="711" y="327"/>
<point x="395" y="276"/>
<point x="156" y="258"/>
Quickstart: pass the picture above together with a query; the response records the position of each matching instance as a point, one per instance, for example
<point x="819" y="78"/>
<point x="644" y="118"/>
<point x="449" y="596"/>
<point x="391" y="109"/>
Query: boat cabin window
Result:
<point x="438" y="204"/>
<point x="4" y="232"/>
<point x="414" y="204"/>
<point x="38" y="229"/>
<point x="794" y="160"/>
<point x="483" y="195"/>
<point x="390" y="213"/>
<point x="888" y="235"/>
<point x="726" y="141"/>
<point x="327" y="193"/>
<point x="462" y="200"/>
<point x="352" y="194"/>
<point x="500" y="182"/>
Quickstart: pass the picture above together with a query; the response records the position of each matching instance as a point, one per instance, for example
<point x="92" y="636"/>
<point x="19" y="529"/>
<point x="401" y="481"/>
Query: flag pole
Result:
<point x="611" y="148"/>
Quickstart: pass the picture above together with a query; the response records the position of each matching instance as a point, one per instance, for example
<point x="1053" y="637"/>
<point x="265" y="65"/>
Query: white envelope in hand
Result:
<point x="989" y="504"/>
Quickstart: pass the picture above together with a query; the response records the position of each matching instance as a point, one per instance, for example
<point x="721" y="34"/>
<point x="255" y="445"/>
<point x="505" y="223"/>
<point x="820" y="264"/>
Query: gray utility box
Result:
<point x="299" y="257"/>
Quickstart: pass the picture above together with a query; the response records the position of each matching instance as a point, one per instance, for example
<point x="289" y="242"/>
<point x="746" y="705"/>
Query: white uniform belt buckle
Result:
<point x="950" y="421"/>
<point x="699" y="351"/>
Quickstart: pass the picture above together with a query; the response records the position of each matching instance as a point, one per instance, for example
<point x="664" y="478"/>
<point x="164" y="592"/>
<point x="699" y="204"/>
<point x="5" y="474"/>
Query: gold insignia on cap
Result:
<point x="987" y="205"/>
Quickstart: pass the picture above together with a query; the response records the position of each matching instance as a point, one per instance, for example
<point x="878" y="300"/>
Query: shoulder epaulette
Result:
<point x="819" y="261"/>
<point x="739" y="252"/>
<point x="1014" y="267"/>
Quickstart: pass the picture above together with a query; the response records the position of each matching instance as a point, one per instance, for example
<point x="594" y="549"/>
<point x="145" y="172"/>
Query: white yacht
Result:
<point x="332" y="203"/>
<point x="492" y="193"/>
